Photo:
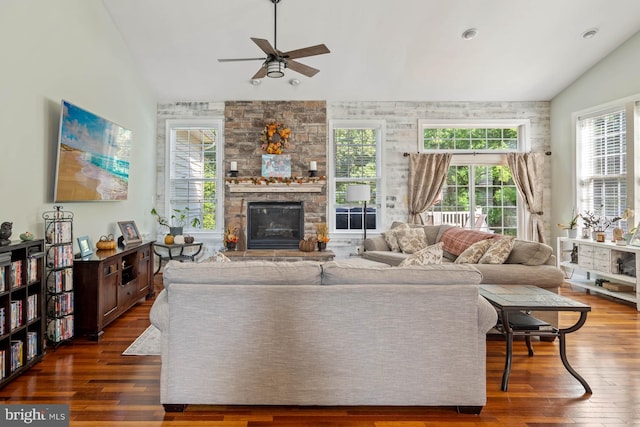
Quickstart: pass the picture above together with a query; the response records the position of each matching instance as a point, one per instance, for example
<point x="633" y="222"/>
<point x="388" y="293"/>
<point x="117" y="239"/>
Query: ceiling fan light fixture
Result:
<point x="275" y="69"/>
<point x="469" y="34"/>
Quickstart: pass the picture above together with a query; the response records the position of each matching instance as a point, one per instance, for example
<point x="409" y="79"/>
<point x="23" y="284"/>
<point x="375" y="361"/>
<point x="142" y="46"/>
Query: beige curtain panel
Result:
<point x="427" y="176"/>
<point x="526" y="169"/>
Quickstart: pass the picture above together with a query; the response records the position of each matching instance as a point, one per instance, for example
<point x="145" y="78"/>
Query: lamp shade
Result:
<point x="358" y="193"/>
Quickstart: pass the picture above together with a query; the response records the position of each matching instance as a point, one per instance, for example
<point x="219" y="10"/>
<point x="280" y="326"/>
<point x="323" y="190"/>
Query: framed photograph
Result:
<point x="85" y="246"/>
<point x="130" y="233"/>
<point x="276" y="165"/>
<point x="635" y="239"/>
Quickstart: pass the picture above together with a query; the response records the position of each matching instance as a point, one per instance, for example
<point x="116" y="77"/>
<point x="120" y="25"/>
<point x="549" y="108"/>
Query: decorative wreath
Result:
<point x="275" y="138"/>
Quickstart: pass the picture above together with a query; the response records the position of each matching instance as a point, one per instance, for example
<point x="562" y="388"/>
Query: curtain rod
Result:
<point x="406" y="154"/>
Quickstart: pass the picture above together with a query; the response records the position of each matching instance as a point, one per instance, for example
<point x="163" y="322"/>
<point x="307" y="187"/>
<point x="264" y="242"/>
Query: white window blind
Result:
<point x="193" y="173"/>
<point x="603" y="161"/>
<point x="356" y="152"/>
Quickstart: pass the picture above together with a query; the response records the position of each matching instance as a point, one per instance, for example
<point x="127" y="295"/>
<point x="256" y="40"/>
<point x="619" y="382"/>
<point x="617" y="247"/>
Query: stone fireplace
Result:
<point x="244" y="122"/>
<point x="274" y="225"/>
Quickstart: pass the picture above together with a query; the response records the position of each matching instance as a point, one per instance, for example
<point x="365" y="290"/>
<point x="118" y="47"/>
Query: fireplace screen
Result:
<point x="274" y="225"/>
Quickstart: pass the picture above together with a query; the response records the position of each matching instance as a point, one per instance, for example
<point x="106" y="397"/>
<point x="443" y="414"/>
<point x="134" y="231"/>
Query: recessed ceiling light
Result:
<point x="256" y="82"/>
<point x="294" y="82"/>
<point x="470" y="34"/>
<point x="590" y="33"/>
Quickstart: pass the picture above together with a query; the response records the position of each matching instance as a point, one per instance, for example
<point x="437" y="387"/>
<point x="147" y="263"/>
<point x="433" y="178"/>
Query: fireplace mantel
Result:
<point x="258" y="185"/>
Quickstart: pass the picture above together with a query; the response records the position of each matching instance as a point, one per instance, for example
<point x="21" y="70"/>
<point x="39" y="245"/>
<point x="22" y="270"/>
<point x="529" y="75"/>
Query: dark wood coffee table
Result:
<point x="515" y="300"/>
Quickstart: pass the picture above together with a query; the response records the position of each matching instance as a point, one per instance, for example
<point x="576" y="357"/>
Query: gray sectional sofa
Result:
<point x="347" y="332"/>
<point x="529" y="263"/>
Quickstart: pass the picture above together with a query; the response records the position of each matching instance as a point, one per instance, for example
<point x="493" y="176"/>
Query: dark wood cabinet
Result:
<point x="107" y="284"/>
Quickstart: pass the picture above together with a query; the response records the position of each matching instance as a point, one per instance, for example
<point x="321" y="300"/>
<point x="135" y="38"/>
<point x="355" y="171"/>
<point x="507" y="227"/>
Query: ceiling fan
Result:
<point x="276" y="61"/>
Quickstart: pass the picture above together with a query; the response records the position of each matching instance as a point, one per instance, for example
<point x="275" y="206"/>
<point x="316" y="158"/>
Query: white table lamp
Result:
<point x="360" y="193"/>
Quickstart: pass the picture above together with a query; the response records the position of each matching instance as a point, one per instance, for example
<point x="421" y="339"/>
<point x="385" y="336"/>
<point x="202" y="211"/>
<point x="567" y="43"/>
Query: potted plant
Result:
<point x="571" y="227"/>
<point x="177" y="220"/>
<point x="322" y="235"/>
<point x="599" y="224"/>
<point x="231" y="237"/>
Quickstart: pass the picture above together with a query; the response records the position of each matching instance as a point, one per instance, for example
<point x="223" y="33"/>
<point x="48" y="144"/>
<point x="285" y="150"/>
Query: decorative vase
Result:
<point x="231" y="246"/>
<point x="322" y="246"/>
<point x="572" y="233"/>
<point x="175" y="231"/>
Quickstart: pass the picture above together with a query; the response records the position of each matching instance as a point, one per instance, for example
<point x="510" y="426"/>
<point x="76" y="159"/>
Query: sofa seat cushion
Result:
<point x="387" y="257"/>
<point x="338" y="273"/>
<point x="244" y="273"/>
<point x="456" y="240"/>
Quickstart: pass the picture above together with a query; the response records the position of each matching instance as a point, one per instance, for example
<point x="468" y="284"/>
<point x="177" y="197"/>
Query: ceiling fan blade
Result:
<point x="302" y="69"/>
<point x="318" y="49"/>
<point x="262" y="72"/>
<point x="240" y="59"/>
<point x="265" y="46"/>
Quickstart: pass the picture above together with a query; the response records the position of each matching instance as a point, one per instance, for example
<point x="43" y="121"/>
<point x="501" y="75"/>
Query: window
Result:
<point x="356" y="152"/>
<point x="479" y="192"/>
<point x="193" y="176"/>
<point x="603" y="163"/>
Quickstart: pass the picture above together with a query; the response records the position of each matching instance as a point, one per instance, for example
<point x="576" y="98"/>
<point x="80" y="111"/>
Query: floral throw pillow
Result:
<point x="411" y="240"/>
<point x="429" y="255"/>
<point x="473" y="253"/>
<point x="498" y="252"/>
<point x="391" y="238"/>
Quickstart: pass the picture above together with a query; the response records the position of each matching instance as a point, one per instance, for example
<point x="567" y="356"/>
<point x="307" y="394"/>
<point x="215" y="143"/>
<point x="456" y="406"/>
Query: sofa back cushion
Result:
<point x="529" y="253"/>
<point x="244" y="273"/>
<point x="339" y="273"/>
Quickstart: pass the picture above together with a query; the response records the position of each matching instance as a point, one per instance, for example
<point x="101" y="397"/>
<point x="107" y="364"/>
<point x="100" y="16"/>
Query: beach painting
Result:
<point x="93" y="157"/>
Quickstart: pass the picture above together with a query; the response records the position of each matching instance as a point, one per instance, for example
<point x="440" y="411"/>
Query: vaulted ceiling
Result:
<point x="380" y="49"/>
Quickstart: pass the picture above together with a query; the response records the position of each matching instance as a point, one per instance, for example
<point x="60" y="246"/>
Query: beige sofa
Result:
<point x="339" y="333"/>
<point x="529" y="263"/>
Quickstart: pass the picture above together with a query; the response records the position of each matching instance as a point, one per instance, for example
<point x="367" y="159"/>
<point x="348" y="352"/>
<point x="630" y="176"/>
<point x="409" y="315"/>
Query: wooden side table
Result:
<point x="176" y="252"/>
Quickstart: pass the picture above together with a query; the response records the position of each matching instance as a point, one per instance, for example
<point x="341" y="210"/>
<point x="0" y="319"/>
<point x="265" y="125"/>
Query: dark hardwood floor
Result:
<point x="105" y="388"/>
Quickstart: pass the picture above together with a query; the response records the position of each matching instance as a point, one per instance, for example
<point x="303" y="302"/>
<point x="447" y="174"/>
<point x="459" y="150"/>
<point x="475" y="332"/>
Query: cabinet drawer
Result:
<point x="585" y="251"/>
<point x="586" y="262"/>
<point x="601" y="253"/>
<point x="602" y="265"/>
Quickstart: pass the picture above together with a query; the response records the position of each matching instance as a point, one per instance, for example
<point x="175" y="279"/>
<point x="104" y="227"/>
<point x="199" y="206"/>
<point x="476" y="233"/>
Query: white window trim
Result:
<point x="198" y="123"/>
<point x="631" y="104"/>
<point x="490" y="157"/>
<point x="380" y="126"/>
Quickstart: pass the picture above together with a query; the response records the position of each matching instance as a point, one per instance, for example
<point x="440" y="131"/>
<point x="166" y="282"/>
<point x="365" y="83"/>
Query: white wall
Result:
<point x="615" y="77"/>
<point x="67" y="49"/>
